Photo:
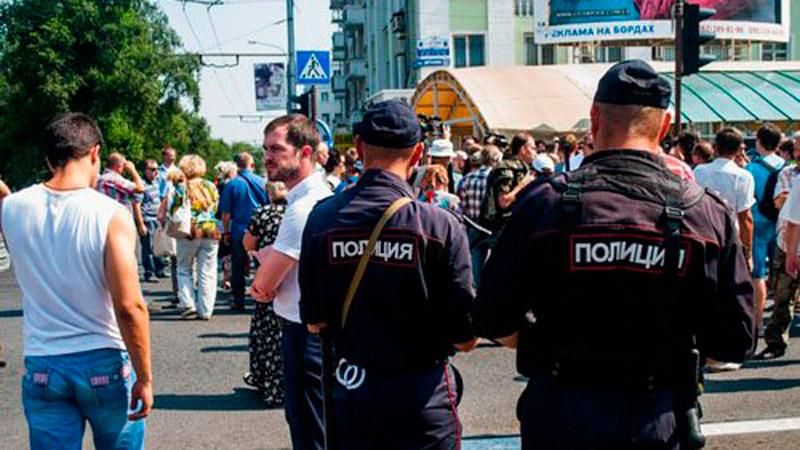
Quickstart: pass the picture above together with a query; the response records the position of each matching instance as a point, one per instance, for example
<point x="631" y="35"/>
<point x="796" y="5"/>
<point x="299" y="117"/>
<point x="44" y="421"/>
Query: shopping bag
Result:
<point x="163" y="245"/>
<point x="179" y="223"/>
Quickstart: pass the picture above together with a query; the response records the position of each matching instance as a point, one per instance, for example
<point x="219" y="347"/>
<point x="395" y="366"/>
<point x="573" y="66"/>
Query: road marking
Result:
<point x="709" y="429"/>
<point x="751" y="426"/>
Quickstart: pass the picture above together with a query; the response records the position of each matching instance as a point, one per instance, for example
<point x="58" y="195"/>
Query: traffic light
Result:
<point x="302" y="104"/>
<point x="692" y="38"/>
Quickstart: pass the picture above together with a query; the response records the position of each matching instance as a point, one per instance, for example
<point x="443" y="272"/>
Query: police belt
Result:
<point x="590" y="373"/>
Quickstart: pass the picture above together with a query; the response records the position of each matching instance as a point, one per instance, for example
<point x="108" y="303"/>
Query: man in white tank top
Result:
<point x="85" y="321"/>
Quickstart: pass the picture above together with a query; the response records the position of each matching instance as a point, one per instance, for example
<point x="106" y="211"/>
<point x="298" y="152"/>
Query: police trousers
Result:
<point x="558" y="415"/>
<point x="404" y="412"/>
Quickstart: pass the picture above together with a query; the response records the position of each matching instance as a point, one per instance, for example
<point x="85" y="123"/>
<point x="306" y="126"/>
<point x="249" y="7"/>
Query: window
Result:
<point x="324" y="97"/>
<point x="548" y="54"/>
<point x="326" y="118"/>
<point x="531" y="51"/>
<point x="469" y="50"/>
<point x="523" y="7"/>
<point x="774" y="52"/>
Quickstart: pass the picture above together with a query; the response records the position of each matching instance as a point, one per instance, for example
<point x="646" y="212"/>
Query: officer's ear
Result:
<point x="416" y="156"/>
<point x="666" y="123"/>
<point x="594" y="115"/>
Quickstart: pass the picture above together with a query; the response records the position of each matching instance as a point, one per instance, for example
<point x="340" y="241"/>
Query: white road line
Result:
<point x="751" y="426"/>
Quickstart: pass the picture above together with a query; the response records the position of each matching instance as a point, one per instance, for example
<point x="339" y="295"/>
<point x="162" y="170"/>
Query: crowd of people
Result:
<point x="305" y="231"/>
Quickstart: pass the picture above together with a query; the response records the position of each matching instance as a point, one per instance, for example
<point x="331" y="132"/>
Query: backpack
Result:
<point x="766" y="205"/>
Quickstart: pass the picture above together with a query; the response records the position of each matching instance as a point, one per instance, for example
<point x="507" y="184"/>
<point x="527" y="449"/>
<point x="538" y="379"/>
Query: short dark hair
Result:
<point x="70" y="136"/>
<point x="300" y="130"/>
<point x="518" y="141"/>
<point x="769" y="136"/>
<point x="687" y="141"/>
<point x="728" y="141"/>
<point x="334" y="159"/>
<point x="787" y="147"/>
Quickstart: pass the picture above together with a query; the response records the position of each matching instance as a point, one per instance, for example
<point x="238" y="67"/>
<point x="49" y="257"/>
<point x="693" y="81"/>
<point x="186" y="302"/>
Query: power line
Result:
<point x="219" y="47"/>
<point x="214" y="71"/>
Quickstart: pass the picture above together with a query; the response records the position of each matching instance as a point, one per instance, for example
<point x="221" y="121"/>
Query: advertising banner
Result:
<point x="565" y="21"/>
<point x="270" y="86"/>
<point x="433" y="51"/>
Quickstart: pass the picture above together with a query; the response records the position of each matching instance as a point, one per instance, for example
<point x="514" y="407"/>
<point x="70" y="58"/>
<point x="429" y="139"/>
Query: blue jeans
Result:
<point x="61" y="393"/>
<point x="302" y="385"/>
<point x="151" y="264"/>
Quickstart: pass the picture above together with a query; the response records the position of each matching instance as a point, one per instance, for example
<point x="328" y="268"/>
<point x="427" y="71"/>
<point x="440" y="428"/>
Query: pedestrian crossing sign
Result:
<point x="313" y="67"/>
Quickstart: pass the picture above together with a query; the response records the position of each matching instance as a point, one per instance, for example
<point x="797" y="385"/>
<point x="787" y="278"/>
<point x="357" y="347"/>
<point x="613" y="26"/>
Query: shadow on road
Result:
<point x="772" y="363"/>
<point x="225" y="348"/>
<point x="224" y="335"/>
<point x="754" y="384"/>
<point x="11" y="313"/>
<point x="239" y="400"/>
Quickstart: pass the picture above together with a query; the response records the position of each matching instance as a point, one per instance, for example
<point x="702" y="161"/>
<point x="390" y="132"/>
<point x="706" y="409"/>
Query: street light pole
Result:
<point x="290" y="70"/>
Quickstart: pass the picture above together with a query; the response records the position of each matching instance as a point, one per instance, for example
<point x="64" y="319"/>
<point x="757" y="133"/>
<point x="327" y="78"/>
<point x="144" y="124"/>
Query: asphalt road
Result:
<point x="201" y="402"/>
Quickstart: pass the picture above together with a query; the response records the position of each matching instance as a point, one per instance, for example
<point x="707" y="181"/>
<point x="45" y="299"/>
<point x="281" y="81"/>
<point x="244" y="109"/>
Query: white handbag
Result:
<point x="163" y="245"/>
<point x="179" y="223"/>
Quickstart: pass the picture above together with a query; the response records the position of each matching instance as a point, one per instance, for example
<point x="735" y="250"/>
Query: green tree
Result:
<point x="113" y="59"/>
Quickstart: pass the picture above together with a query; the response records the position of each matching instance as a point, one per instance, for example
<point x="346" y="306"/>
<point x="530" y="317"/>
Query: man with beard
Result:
<point x="289" y="145"/>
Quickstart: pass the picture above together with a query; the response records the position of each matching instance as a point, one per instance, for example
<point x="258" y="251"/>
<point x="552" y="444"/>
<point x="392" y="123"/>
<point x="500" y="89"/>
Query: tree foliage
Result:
<point x="115" y="60"/>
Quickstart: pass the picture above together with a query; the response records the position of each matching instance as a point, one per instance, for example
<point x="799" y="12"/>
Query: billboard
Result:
<point x="270" y="86"/>
<point x="564" y="21"/>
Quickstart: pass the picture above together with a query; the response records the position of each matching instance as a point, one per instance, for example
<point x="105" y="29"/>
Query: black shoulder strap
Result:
<point x="673" y="220"/>
<point x="571" y="191"/>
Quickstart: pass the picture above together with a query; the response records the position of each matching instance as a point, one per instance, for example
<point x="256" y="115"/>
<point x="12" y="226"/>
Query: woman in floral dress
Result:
<point x="266" y="363"/>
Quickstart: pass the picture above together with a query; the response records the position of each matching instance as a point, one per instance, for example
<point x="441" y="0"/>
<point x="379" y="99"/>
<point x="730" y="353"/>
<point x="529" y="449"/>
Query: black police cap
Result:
<point x="389" y="124"/>
<point x="634" y="83"/>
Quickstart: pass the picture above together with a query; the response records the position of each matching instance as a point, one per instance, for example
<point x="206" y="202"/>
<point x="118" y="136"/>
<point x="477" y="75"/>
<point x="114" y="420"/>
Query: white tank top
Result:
<point x="57" y="243"/>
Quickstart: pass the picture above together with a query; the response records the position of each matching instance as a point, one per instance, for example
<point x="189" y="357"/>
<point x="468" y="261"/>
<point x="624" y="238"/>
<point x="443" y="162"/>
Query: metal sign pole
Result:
<point x="678" y="63"/>
<point x="290" y="81"/>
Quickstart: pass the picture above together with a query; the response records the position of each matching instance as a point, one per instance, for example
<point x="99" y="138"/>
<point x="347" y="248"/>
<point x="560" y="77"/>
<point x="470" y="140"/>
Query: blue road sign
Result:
<point x="313" y="67"/>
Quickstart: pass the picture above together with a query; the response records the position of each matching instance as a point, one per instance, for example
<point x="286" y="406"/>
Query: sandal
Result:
<point x="250" y="380"/>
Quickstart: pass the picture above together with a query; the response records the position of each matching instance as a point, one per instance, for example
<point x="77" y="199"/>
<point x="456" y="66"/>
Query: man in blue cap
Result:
<point x="655" y="260"/>
<point x="398" y="314"/>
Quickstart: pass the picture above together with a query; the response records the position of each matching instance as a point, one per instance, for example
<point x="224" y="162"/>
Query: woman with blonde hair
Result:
<point x="201" y="247"/>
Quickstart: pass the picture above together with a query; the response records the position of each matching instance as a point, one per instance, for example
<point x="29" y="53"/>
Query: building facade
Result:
<point x="382" y="46"/>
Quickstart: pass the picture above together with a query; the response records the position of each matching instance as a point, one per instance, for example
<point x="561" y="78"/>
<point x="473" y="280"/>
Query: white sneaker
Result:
<point x="721" y="366"/>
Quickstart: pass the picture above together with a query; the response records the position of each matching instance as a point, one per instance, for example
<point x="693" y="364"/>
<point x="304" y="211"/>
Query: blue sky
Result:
<point x="230" y="91"/>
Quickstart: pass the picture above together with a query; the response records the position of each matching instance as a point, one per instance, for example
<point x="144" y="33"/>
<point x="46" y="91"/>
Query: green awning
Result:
<point x="740" y="96"/>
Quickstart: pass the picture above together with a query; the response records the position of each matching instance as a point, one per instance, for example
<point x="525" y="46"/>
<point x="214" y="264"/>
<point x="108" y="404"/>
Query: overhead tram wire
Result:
<point x="214" y="70"/>
<point x="219" y="47"/>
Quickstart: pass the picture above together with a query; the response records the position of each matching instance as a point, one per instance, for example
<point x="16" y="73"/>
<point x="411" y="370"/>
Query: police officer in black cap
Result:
<point x="389" y="280"/>
<point x="646" y="276"/>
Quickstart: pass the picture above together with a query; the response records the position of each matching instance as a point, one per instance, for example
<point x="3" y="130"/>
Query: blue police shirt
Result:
<point x="240" y="197"/>
<point x="415" y="297"/>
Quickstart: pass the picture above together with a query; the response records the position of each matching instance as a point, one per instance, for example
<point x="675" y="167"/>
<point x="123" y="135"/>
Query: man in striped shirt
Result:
<point x="114" y="185"/>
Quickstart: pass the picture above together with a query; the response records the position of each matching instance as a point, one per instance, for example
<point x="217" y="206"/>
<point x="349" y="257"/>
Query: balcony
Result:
<point x="338" y="84"/>
<point x="355" y="68"/>
<point x="354" y="16"/>
<point x="337" y="17"/>
<point x="338" y="40"/>
<point x="339" y="54"/>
